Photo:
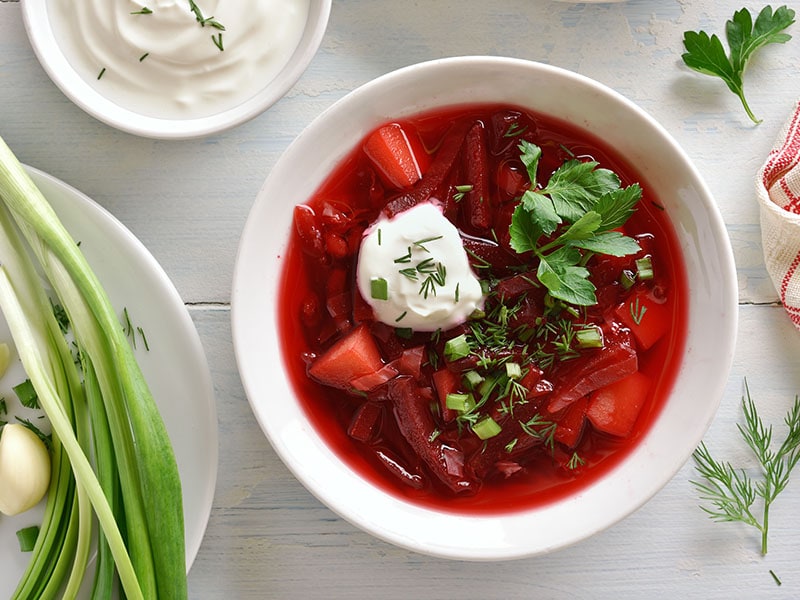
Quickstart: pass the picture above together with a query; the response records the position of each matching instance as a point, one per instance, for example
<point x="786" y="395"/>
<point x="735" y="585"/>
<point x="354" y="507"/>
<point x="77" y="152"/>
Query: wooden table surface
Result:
<point x="267" y="537"/>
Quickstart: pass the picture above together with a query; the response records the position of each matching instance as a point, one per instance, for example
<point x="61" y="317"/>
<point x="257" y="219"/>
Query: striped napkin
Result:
<point x="778" y="190"/>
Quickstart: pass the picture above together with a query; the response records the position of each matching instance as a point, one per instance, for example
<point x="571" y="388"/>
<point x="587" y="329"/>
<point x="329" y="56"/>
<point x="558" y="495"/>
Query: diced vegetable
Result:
<point x="647" y="319"/>
<point x="393" y="154"/>
<point x="353" y="356"/>
<point x="614" y="408"/>
<point x="476" y="167"/>
<point x="570" y="425"/>
<point x="415" y="421"/>
<point x="609" y="364"/>
<point x="365" y="421"/>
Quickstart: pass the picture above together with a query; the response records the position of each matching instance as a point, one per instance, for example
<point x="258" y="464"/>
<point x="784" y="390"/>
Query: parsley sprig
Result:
<point x="569" y="219"/>
<point x="732" y="492"/>
<point x="706" y="54"/>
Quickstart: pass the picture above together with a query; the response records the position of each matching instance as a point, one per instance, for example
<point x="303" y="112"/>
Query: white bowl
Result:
<point x="37" y="19"/>
<point x="712" y="306"/>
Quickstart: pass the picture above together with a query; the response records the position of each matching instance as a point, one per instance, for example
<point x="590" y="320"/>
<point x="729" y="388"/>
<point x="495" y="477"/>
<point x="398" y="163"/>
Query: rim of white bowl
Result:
<point x="459" y="536"/>
<point x="43" y="41"/>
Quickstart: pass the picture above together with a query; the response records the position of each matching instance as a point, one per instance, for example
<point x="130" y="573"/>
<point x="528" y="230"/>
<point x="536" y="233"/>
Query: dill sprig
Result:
<point x="731" y="492"/>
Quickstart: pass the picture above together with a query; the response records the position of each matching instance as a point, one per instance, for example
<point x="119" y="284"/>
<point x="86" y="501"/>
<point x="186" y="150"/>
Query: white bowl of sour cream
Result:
<point x="175" y="69"/>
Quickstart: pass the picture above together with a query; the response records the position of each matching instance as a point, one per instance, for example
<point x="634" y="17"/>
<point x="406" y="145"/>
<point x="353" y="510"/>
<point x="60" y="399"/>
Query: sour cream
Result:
<point x="155" y="57"/>
<point x="414" y="272"/>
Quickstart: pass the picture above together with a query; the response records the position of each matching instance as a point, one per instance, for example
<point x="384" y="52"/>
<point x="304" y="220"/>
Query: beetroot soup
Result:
<point x="482" y="308"/>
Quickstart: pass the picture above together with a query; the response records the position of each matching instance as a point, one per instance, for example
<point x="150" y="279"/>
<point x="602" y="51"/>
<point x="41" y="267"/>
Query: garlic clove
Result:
<point x="24" y="469"/>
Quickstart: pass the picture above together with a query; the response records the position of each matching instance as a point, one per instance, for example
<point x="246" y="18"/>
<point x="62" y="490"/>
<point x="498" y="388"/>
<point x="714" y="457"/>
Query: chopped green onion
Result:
<point x="379" y="288"/>
<point x="472" y="379"/>
<point x="27" y="538"/>
<point x="627" y="279"/>
<point x="589" y="337"/>
<point x="513" y="370"/>
<point x="461" y="402"/>
<point x="644" y="268"/>
<point x="26" y="394"/>
<point x="486" y="428"/>
<point x="457" y="347"/>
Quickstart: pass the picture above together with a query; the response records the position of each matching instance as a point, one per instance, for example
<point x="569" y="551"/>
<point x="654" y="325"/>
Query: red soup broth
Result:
<point x="318" y="284"/>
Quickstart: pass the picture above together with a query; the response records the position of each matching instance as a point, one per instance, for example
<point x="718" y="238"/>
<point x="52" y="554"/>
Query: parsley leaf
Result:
<point x="571" y="217"/>
<point x="706" y="54"/>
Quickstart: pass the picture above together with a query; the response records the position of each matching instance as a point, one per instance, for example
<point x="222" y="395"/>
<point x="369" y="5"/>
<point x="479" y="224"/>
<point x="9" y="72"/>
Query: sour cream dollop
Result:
<point x="157" y="58"/>
<point x="414" y="272"/>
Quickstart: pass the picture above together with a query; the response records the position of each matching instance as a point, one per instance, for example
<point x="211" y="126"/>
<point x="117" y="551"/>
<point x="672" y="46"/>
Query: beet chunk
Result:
<point x="415" y="421"/>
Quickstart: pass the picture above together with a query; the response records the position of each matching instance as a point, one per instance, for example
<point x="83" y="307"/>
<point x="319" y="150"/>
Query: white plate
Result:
<point x="175" y="365"/>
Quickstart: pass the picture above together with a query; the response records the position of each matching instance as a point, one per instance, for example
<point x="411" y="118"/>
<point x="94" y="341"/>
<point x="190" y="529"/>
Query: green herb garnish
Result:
<point x="705" y="54"/>
<point x="732" y="492"/>
<point x="573" y="216"/>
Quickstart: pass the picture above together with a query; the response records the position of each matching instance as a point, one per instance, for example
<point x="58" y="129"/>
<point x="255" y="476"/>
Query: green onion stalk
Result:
<point x="131" y="482"/>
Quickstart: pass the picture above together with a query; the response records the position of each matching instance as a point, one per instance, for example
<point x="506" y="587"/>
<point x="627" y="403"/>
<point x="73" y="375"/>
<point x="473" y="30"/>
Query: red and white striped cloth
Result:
<point x="778" y="190"/>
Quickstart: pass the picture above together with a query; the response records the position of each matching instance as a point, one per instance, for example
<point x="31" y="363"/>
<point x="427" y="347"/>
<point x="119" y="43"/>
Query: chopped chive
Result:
<point x="644" y="268"/>
<point x="27" y="538"/>
<point x="457" y="293"/>
<point x="379" y="236"/>
<point x="143" y="11"/>
<point x="143" y="56"/>
<point x="410" y="272"/>
<point x="461" y="190"/>
<point x="379" y="288"/>
<point x="406" y="258"/>
<point x="589" y="337"/>
<point x="101" y="73"/>
<point x="775" y="577"/>
<point x="486" y="428"/>
<point x="457" y="347"/>
<point x="421" y="243"/>
<point x="400" y="318"/>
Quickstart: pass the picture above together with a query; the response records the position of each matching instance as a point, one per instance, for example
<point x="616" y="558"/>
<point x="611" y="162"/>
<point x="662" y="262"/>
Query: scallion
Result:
<point x="457" y="347"/>
<point x="486" y="428"/>
<point x="27" y="538"/>
<point x="144" y="531"/>
<point x="644" y="268"/>
<point x="460" y="402"/>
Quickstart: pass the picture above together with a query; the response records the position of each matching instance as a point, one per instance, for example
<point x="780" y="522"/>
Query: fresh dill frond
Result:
<point x="731" y="493"/>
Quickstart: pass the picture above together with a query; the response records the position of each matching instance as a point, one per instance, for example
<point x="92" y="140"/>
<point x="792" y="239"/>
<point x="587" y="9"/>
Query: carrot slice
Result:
<point x="390" y="149"/>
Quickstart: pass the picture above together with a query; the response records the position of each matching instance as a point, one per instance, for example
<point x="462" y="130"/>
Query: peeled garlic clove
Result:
<point x="24" y="469"/>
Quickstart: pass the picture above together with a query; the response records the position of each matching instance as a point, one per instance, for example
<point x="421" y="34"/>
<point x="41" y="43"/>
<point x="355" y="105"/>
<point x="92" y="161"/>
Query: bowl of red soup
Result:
<point x="484" y="308"/>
